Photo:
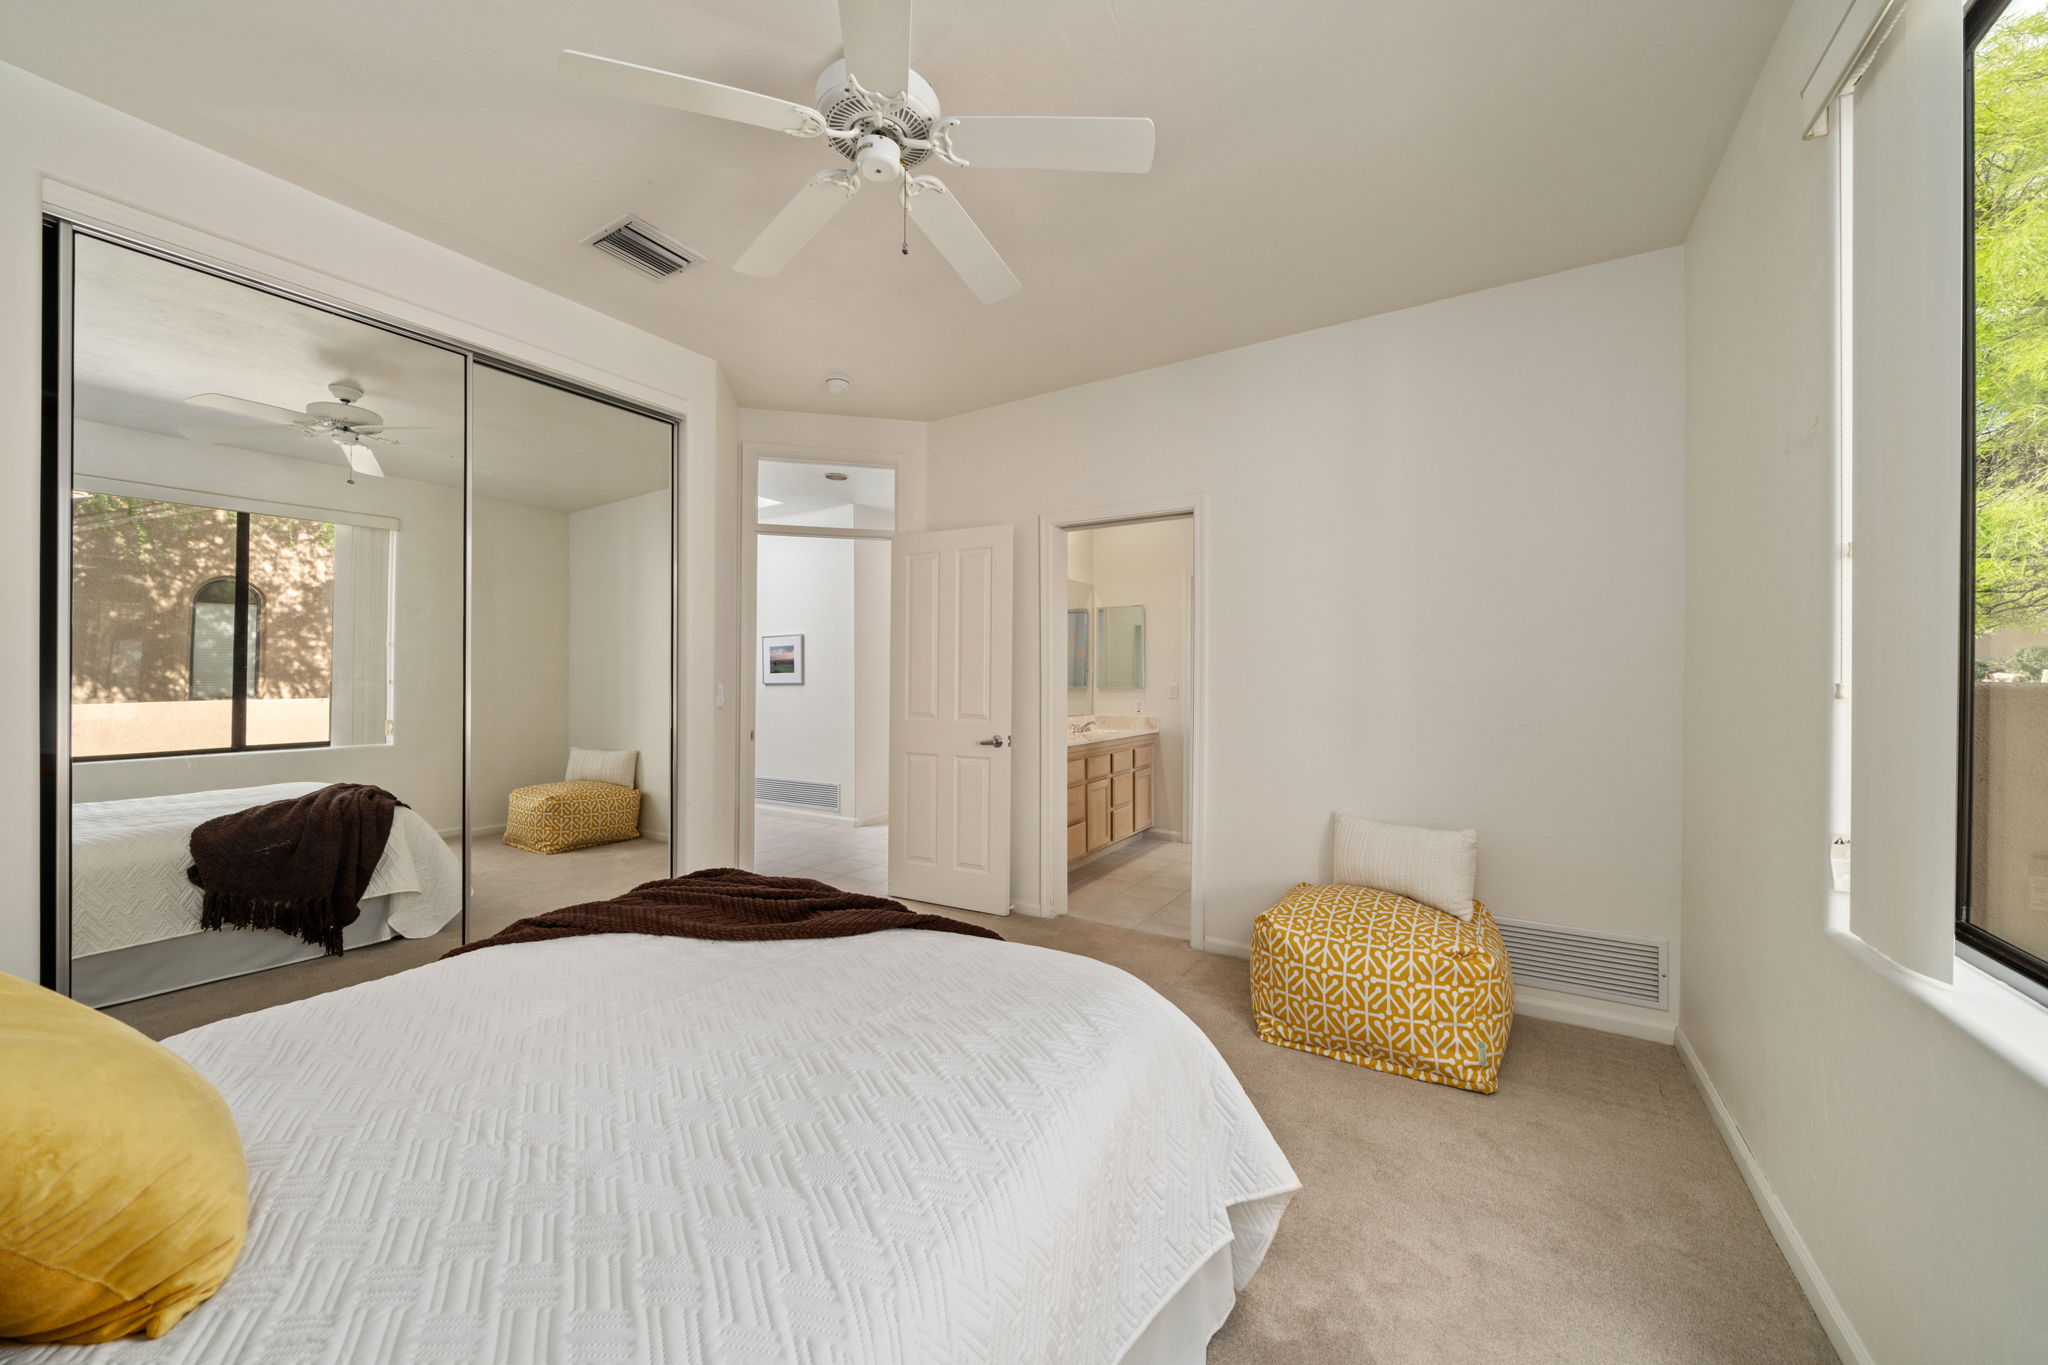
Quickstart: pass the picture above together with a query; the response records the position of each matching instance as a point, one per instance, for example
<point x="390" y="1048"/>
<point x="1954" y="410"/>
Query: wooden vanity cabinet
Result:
<point x="1109" y="793"/>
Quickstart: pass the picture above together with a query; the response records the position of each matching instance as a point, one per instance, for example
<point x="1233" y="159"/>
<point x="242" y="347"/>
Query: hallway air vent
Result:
<point x="644" y="248"/>
<point x="1605" y="966"/>
<point x="811" y="795"/>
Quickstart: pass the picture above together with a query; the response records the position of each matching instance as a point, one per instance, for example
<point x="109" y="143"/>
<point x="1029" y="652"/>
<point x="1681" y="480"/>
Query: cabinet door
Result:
<point x="1120" y="790"/>
<point x="1141" y="806"/>
<point x="1122" y="760"/>
<point x="1120" y="826"/>
<point x="1145" y="753"/>
<point x="1077" y="771"/>
<point x="1077" y="841"/>
<point x="1098" y="815"/>
<point x="1098" y="766"/>
<point x="1077" y="805"/>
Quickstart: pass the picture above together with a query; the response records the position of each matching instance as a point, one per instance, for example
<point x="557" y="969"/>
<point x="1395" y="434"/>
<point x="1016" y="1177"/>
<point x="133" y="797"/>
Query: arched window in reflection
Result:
<point x="213" y="640"/>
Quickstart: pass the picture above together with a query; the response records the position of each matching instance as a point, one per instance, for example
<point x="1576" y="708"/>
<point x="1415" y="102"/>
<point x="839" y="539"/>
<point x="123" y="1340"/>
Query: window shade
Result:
<point x="1849" y="48"/>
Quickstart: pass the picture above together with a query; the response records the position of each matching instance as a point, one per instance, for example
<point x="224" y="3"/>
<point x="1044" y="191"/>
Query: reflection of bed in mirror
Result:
<point x="135" y="914"/>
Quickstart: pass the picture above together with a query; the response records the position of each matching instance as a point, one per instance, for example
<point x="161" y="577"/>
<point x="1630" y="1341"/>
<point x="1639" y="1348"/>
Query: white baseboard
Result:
<point x="1655" y="1026"/>
<point x="870" y="821"/>
<point x="805" y="813"/>
<point x="1826" y="1306"/>
<point x="1172" y="836"/>
<point x="1226" y="947"/>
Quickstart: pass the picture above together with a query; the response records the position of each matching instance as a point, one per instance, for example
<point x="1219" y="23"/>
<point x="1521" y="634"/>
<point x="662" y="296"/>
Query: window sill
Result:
<point x="2010" y="1024"/>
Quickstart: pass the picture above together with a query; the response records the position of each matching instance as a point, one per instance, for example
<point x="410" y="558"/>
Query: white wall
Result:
<point x="519" y="651"/>
<point x="1904" y="1155"/>
<point x="1443" y="583"/>
<point x="619" y="586"/>
<point x="423" y="763"/>
<point x="805" y="586"/>
<point x="1147" y="565"/>
<point x="194" y="197"/>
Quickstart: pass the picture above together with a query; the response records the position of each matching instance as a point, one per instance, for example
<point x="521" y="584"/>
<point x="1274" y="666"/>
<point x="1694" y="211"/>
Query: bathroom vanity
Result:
<point x="1109" y="790"/>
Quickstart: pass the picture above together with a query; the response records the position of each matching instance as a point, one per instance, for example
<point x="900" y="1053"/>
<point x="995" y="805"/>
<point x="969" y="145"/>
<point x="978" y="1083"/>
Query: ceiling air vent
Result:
<point x="643" y="248"/>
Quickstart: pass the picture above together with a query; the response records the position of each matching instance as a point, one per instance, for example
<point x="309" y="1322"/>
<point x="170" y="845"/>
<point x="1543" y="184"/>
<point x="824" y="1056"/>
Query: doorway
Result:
<point x="1121" y="742"/>
<point x="815" y="769"/>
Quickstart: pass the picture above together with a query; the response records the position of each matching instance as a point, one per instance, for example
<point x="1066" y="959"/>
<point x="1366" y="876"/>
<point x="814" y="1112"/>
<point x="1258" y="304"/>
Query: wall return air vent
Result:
<point x="644" y="248"/>
<point x="1551" y="957"/>
<point x="785" y="792"/>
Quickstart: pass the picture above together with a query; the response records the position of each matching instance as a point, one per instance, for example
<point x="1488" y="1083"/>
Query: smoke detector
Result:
<point x="838" y="383"/>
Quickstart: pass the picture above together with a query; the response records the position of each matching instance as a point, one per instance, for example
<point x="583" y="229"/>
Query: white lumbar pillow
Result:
<point x="1434" y="866"/>
<point x="615" y="766"/>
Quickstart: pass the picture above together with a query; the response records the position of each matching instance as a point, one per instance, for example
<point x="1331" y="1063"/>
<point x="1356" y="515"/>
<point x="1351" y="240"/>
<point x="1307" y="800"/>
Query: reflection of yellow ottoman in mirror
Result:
<point x="555" y="817"/>
<point x="1378" y="980"/>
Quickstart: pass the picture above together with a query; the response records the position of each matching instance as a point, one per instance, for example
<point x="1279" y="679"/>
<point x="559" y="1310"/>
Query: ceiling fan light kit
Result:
<point x="883" y="135"/>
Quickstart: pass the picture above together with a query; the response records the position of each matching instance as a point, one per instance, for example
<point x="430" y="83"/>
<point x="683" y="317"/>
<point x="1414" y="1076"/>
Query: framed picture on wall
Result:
<point x="782" y="660"/>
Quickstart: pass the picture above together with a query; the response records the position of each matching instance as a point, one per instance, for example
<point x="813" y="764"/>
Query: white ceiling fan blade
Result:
<point x="361" y="460"/>
<point x="648" y="85"/>
<point x="1025" y="143"/>
<point x="217" y="436"/>
<point x="946" y="225"/>
<point x="876" y="36"/>
<point x="381" y="439"/>
<point x="799" y="221"/>
<point x="247" y="407"/>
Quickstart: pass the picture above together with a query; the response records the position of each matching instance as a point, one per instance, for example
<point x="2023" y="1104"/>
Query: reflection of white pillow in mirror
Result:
<point x="615" y="766"/>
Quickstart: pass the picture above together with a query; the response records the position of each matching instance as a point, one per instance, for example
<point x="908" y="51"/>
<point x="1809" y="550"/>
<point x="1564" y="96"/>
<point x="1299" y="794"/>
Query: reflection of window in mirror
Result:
<point x="158" y="606"/>
<point x="1123" y="648"/>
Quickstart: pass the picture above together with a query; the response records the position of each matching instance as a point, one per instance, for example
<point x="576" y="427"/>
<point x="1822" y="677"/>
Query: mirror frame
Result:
<point x="59" y="234"/>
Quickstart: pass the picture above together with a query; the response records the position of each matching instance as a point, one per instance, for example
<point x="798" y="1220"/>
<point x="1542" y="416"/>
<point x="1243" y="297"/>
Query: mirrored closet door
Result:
<point x="326" y="598"/>
<point x="571" y="573"/>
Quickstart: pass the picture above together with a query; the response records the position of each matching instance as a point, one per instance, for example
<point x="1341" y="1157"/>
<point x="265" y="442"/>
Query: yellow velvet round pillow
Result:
<point x="123" y="1194"/>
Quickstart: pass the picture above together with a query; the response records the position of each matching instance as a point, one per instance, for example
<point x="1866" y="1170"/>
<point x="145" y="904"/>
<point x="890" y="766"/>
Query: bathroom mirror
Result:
<point x="1122" y="664"/>
<point x="1080" y="649"/>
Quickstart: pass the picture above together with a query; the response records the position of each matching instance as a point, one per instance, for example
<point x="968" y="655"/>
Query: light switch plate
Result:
<point x="1838" y="860"/>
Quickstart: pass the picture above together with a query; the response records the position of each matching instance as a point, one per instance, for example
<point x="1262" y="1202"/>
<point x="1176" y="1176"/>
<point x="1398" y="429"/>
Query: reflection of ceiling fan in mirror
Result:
<point x="350" y="426"/>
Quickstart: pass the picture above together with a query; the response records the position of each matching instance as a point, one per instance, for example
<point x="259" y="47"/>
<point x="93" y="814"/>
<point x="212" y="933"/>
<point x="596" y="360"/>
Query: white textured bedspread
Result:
<point x="128" y="861"/>
<point x="908" y="1148"/>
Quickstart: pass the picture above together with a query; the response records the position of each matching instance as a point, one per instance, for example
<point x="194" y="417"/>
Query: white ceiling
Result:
<point x="1319" y="160"/>
<point x="150" y="334"/>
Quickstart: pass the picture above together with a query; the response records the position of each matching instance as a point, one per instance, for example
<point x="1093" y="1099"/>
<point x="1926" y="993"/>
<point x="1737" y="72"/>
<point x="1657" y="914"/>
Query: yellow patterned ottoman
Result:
<point x="1379" y="980"/>
<point x="555" y="817"/>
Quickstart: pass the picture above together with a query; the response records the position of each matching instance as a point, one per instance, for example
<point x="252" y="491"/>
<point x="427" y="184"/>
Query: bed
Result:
<point x="135" y="915"/>
<point x="905" y="1148"/>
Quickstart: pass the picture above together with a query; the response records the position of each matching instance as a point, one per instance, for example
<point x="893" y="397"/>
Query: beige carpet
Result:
<point x="1585" y="1215"/>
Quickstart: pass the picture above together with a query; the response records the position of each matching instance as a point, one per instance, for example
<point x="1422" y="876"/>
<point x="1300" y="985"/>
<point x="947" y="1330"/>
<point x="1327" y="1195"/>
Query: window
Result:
<point x="198" y="629"/>
<point x="2003" y="859"/>
<point x="213" y="641"/>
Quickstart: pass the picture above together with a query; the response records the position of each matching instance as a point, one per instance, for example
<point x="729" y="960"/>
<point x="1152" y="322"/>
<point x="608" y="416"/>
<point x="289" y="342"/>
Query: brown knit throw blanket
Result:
<point x="726" y="903"/>
<point x="298" y="866"/>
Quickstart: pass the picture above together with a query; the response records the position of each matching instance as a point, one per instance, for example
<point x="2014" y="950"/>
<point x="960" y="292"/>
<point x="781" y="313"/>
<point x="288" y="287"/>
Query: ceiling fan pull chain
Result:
<point x="905" y="197"/>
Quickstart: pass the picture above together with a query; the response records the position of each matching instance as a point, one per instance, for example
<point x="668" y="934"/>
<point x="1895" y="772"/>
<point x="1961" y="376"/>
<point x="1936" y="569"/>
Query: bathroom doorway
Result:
<point x="1122" y="731"/>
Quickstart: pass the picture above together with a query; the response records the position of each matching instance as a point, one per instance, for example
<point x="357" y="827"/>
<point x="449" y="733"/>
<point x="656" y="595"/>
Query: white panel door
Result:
<point x="949" y="718"/>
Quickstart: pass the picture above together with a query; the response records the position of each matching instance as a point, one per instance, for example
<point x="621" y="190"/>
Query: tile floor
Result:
<point x="853" y="858"/>
<point x="1143" y="885"/>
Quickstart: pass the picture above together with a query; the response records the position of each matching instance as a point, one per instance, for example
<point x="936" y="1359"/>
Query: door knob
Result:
<point x="995" y="743"/>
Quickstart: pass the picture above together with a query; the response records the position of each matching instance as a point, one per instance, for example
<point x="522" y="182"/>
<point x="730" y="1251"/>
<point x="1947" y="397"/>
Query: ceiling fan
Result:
<point x="344" y="421"/>
<point x="884" y="135"/>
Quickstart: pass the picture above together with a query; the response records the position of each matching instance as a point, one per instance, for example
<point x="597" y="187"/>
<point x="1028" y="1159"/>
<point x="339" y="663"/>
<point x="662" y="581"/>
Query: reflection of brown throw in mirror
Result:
<point x="298" y="866"/>
<point x="726" y="903"/>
